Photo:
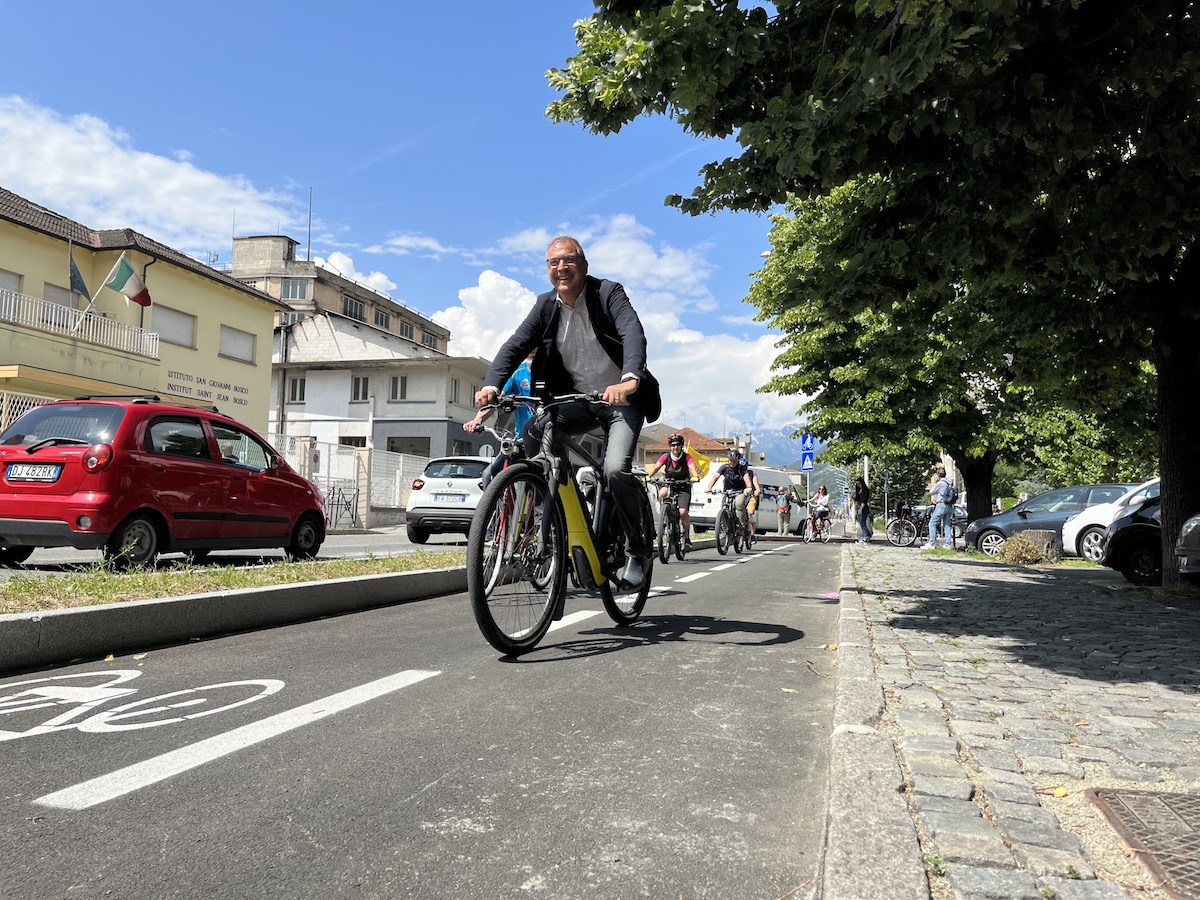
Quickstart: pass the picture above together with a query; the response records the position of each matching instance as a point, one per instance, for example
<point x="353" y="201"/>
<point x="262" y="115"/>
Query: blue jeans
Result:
<point x="943" y="517"/>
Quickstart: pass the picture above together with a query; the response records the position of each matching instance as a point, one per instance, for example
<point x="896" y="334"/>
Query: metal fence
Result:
<point x="14" y="405"/>
<point x="90" y="325"/>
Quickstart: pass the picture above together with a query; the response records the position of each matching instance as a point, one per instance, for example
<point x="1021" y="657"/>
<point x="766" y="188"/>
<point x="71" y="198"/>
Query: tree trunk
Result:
<point x="977" y="472"/>
<point x="1177" y="357"/>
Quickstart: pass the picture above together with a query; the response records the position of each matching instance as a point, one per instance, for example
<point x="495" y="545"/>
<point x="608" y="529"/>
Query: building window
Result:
<point x="236" y="344"/>
<point x="360" y="390"/>
<point x="352" y="441"/>
<point x="173" y="326"/>
<point x="296" y="390"/>
<point x="399" y="388"/>
<point x="429" y="340"/>
<point x="406" y="330"/>
<point x="462" y="448"/>
<point x="291" y="317"/>
<point x="453" y="390"/>
<point x="383" y="320"/>
<point x="295" y="289"/>
<point x="355" y="309"/>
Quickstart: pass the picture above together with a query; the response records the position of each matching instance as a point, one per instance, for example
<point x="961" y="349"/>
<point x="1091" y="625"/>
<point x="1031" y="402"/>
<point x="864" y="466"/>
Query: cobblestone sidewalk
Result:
<point x="1007" y="692"/>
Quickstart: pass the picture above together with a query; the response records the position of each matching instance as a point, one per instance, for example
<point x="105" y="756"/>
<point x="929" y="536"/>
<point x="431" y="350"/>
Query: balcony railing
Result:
<point x="93" y="327"/>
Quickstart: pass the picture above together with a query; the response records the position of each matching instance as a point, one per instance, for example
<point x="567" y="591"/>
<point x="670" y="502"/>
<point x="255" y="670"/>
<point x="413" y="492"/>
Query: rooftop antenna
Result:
<point x="310" y="224"/>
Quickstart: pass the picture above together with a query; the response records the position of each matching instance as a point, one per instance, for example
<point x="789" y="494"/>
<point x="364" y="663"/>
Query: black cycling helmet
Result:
<point x="733" y="456"/>
<point x="675" y="438"/>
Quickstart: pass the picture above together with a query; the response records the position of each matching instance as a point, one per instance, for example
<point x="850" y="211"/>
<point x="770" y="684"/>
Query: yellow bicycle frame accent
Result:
<point x="578" y="533"/>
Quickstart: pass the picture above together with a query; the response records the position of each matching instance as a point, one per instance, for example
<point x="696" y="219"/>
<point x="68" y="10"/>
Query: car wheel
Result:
<point x="1141" y="563"/>
<point x="991" y="542"/>
<point x="135" y="543"/>
<point x="418" y="535"/>
<point x="14" y="556"/>
<point x="1091" y="544"/>
<point x="306" y="538"/>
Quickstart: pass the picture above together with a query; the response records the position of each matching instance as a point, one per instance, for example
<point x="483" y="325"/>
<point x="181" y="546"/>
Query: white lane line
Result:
<point x="686" y="578"/>
<point x="722" y="568"/>
<point x="573" y="618"/>
<point x="159" y="768"/>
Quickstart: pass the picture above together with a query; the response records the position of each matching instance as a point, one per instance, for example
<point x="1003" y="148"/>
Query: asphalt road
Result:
<point x="392" y="753"/>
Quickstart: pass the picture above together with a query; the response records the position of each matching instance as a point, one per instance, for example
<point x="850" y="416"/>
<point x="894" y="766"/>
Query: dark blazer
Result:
<point x="617" y="327"/>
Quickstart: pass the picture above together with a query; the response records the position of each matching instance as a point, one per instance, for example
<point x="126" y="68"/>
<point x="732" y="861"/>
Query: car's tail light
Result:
<point x="418" y="483"/>
<point x="97" y="458"/>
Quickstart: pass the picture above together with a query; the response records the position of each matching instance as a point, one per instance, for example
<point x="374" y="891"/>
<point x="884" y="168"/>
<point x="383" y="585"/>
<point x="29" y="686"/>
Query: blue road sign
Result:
<point x="806" y="444"/>
<point x="806" y="460"/>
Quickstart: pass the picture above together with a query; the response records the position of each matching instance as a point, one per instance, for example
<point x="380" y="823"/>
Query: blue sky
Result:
<point x="420" y="130"/>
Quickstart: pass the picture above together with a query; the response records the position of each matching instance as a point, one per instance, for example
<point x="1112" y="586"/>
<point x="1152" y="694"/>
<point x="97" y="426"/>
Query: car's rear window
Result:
<point x="462" y="468"/>
<point x="93" y="423"/>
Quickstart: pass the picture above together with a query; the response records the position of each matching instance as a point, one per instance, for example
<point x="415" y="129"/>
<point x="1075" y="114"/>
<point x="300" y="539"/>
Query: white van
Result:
<point x="705" y="506"/>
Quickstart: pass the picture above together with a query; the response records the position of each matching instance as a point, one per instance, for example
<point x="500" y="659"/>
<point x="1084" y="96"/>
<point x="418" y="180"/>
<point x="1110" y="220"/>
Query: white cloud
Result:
<point x="343" y="265"/>
<point x="419" y="244"/>
<point x="489" y="313"/>
<point x="89" y="171"/>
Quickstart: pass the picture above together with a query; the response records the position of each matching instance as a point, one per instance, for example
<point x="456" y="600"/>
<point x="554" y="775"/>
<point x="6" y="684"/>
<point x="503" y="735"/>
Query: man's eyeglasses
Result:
<point x="555" y="261"/>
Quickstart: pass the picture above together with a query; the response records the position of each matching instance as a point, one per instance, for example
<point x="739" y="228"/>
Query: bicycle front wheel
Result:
<point x="516" y="560"/>
<point x="808" y="531"/>
<point x="624" y="607"/>
<point x="664" y="539"/>
<point x="723" y="533"/>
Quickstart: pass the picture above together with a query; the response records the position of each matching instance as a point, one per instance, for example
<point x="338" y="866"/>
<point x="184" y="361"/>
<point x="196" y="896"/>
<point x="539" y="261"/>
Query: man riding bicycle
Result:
<point x="736" y="474"/>
<point x="585" y="336"/>
<point x="679" y="469"/>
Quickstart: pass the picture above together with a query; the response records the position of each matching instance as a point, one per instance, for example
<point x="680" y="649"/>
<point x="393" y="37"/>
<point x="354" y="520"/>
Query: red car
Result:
<point x="139" y="477"/>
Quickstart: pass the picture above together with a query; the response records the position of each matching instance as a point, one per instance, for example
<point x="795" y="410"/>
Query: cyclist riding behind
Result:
<point x="519" y="384"/>
<point x="752" y="505"/>
<point x="818" y="505"/>
<point x="679" y="469"/>
<point x="736" y="475"/>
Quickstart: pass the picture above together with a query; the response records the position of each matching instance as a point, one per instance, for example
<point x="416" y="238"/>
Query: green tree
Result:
<point x="1040" y="158"/>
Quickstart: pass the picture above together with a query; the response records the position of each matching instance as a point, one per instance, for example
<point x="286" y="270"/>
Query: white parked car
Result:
<point x="1083" y="533"/>
<point x="444" y="498"/>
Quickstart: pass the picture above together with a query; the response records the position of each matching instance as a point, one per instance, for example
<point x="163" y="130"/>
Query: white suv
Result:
<point x="1083" y="533"/>
<point x="444" y="497"/>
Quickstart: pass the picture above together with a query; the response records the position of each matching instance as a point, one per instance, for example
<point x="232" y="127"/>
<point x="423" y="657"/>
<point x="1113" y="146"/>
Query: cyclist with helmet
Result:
<point x="736" y="475"/>
<point x="679" y="469"/>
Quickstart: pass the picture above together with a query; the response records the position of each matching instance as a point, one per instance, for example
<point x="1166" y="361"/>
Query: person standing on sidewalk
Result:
<point x="943" y="511"/>
<point x="787" y="499"/>
<point x="862" y="510"/>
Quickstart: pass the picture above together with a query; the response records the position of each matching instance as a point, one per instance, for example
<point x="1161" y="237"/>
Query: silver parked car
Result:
<point x="1187" y="549"/>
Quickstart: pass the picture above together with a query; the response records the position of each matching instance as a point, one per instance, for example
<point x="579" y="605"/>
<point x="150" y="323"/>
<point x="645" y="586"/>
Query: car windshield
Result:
<point x="456" y="468"/>
<point x="90" y="423"/>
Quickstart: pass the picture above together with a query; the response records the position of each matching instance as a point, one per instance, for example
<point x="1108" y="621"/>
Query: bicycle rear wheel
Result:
<point x="826" y="531"/>
<point x="723" y="535"/>
<point x="738" y="536"/>
<point x="624" y="607"/>
<point x="516" y="560"/>
<point x="677" y="538"/>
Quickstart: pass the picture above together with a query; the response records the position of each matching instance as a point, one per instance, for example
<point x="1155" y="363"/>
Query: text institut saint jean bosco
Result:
<point x="211" y="390"/>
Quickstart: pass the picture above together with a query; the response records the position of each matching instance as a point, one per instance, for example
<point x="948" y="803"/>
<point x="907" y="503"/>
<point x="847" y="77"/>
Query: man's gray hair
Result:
<point x="567" y="239"/>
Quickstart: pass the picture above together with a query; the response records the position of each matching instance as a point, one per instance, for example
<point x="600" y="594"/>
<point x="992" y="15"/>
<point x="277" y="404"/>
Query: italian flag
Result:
<point x="124" y="280"/>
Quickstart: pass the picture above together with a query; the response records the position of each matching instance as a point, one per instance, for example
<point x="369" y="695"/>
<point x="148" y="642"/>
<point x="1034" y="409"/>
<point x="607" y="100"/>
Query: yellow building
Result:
<point x="205" y="338"/>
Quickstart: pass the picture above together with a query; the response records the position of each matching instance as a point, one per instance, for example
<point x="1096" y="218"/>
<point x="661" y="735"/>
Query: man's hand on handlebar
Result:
<point x="618" y="394"/>
<point x="485" y="396"/>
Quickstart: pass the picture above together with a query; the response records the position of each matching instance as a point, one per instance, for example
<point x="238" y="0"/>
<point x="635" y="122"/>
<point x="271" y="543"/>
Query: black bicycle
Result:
<point x="670" y="530"/>
<point x="730" y="530"/>
<point x="533" y="524"/>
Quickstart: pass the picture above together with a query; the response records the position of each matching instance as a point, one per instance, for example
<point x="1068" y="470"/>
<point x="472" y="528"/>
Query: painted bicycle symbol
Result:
<point x="74" y="701"/>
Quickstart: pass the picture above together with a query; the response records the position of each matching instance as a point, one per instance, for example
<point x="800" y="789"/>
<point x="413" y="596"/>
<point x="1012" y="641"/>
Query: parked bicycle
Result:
<point x="532" y="526"/>
<point x="900" y="529"/>
<point x="670" y="529"/>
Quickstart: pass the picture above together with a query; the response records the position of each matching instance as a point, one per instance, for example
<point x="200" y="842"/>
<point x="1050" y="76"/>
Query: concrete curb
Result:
<point x="871" y="844"/>
<point x="31" y="640"/>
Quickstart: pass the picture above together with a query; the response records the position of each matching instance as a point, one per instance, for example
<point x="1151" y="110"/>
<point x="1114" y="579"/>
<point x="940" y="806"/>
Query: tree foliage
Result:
<point x="1026" y="171"/>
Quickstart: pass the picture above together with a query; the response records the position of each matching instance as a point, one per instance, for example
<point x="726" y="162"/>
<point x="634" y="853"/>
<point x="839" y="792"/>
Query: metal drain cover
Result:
<point x="1162" y="829"/>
